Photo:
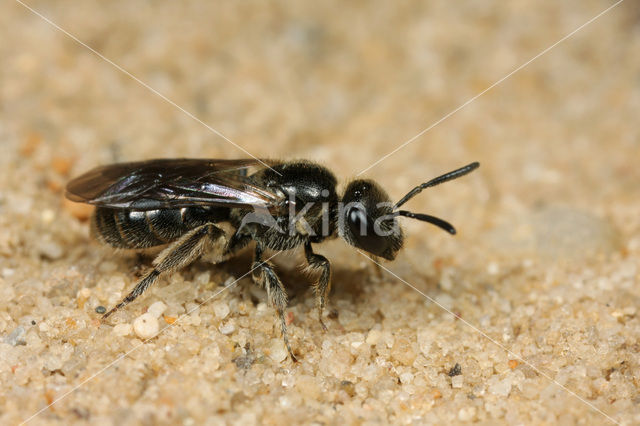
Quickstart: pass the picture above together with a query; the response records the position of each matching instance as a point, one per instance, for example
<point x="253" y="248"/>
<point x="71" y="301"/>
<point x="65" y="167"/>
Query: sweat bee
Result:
<point x="278" y="205"/>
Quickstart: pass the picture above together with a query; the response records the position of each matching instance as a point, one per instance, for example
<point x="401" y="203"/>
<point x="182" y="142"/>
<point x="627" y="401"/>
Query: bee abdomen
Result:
<point x="130" y="229"/>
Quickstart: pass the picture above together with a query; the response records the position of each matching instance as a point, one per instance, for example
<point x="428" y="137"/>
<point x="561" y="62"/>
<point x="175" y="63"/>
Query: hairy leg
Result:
<point x="237" y="242"/>
<point x="179" y="254"/>
<point x="264" y="275"/>
<point x="323" y="285"/>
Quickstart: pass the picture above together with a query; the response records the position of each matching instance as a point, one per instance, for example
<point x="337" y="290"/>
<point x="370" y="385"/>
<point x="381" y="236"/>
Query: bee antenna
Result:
<point x="443" y="224"/>
<point x="437" y="181"/>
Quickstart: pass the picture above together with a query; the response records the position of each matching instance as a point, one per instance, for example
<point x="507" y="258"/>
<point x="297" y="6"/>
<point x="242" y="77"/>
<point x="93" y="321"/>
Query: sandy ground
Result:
<point x="528" y="315"/>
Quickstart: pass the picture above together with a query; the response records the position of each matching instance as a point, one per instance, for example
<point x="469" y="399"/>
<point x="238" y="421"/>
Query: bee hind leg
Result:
<point x="176" y="256"/>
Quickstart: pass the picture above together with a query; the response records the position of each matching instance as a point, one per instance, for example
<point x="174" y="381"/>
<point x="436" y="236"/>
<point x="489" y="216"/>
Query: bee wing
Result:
<point x="172" y="183"/>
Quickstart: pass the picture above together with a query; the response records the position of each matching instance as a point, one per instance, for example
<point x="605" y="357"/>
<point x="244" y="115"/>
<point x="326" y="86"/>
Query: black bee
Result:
<point x="186" y="204"/>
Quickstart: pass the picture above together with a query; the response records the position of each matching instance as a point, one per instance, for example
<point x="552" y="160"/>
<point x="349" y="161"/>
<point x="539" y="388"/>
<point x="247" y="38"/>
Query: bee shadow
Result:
<point x="347" y="283"/>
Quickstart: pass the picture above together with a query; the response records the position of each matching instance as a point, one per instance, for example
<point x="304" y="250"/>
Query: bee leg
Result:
<point x="263" y="274"/>
<point x="236" y="242"/>
<point x="323" y="285"/>
<point x="179" y="254"/>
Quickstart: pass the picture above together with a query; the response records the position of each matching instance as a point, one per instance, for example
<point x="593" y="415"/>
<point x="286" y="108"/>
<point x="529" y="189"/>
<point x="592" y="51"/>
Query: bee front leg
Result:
<point x="263" y="274"/>
<point x="323" y="285"/>
<point x="177" y="255"/>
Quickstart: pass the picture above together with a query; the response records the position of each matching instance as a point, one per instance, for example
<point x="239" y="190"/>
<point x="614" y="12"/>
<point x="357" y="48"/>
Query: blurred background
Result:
<point x="344" y="84"/>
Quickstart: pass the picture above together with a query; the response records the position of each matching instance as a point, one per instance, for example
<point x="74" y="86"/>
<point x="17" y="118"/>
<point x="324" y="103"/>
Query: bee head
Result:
<point x="367" y="220"/>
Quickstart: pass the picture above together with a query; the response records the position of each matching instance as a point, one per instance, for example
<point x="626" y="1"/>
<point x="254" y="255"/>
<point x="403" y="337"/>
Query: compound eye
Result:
<point x="362" y="232"/>
<point x="358" y="221"/>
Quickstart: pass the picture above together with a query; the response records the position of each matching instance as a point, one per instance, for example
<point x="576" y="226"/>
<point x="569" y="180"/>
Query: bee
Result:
<point x="216" y="207"/>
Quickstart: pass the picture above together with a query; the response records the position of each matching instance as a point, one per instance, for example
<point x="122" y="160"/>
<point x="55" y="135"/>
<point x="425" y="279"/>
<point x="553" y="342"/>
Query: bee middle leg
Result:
<point x="179" y="254"/>
<point x="263" y="274"/>
<point x="323" y="285"/>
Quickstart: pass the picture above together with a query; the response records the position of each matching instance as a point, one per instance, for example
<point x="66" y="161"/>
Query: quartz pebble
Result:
<point x="501" y="387"/>
<point x="466" y="414"/>
<point x="122" y="329"/>
<point x="157" y="309"/>
<point x="203" y="278"/>
<point x="373" y="337"/>
<point x="83" y="293"/>
<point x="146" y="326"/>
<point x="48" y="216"/>
<point x="406" y="377"/>
<point x="221" y="309"/>
<point x="457" y="381"/>
<point x="50" y="250"/>
<point x="227" y="328"/>
<point x="426" y="337"/>
<point x="277" y="350"/>
<point x="16" y="337"/>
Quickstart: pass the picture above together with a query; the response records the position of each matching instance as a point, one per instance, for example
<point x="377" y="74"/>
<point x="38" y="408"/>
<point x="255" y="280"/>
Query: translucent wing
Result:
<point x="172" y="183"/>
